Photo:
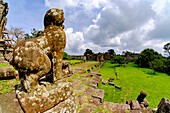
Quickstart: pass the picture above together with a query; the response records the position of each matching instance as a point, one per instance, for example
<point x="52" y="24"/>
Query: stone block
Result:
<point x="111" y="83"/>
<point x="98" y="94"/>
<point x="66" y="106"/>
<point x="164" y="106"/>
<point x="87" y="109"/>
<point x="104" y="82"/>
<point x="135" y="105"/>
<point x="115" y="107"/>
<point x="95" y="101"/>
<point x="80" y="99"/>
<point x="89" y="91"/>
<point x="118" y="87"/>
<point x="44" y="98"/>
<point x="141" y="97"/>
<point x="111" y="79"/>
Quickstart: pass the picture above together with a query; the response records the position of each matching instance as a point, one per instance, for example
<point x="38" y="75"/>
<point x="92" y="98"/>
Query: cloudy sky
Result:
<point x="100" y="25"/>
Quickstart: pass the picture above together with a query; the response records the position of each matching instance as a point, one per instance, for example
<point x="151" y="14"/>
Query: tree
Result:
<point x="111" y="52"/>
<point x="167" y="48"/>
<point x="16" y="33"/>
<point x="34" y="33"/>
<point x="66" y="56"/>
<point x="88" y="52"/>
<point x="118" y="60"/>
<point x="147" y="56"/>
<point x="158" y="65"/>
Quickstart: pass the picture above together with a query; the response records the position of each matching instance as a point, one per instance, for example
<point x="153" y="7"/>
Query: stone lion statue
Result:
<point x="35" y="58"/>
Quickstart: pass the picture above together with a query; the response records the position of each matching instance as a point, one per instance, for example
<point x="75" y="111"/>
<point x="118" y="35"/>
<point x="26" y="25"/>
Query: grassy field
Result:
<point x="7" y="85"/>
<point x="133" y="79"/>
<point x="72" y="62"/>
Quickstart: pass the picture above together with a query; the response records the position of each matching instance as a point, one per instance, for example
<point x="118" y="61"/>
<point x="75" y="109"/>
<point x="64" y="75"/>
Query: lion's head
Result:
<point x="54" y="16"/>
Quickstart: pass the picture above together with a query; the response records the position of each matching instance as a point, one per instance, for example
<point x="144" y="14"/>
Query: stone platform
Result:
<point x="48" y="98"/>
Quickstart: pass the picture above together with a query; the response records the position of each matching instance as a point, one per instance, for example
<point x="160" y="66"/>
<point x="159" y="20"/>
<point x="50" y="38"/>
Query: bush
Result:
<point x="146" y="57"/>
<point x="118" y="60"/>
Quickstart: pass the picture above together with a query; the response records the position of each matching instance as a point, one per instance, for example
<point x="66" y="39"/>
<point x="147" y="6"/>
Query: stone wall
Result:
<point x="3" y="19"/>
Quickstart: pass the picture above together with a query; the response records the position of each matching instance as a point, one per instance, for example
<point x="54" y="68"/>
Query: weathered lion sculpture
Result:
<point x="35" y="58"/>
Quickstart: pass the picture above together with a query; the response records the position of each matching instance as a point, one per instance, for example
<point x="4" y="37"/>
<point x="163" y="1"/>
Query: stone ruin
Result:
<point x="3" y="21"/>
<point x="7" y="71"/>
<point x="43" y="87"/>
<point x="39" y="64"/>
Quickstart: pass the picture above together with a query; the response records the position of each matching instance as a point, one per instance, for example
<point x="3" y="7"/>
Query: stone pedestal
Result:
<point x="48" y="98"/>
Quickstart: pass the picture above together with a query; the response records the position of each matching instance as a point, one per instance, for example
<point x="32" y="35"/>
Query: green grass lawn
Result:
<point x="7" y="85"/>
<point x="133" y="79"/>
<point x="72" y="62"/>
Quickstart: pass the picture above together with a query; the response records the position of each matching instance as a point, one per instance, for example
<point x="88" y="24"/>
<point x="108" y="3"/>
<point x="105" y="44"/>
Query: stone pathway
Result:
<point x="89" y="98"/>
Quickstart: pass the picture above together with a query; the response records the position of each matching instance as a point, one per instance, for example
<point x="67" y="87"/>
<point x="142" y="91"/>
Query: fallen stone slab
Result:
<point x="111" y="83"/>
<point x="118" y="87"/>
<point x="87" y="109"/>
<point x="164" y="106"/>
<point x="93" y="83"/>
<point x="135" y="105"/>
<point x="98" y="74"/>
<point x="115" y="107"/>
<point x="79" y="88"/>
<point x="89" y="91"/>
<point x="128" y="102"/>
<point x="141" y="111"/>
<point x="111" y="79"/>
<point x="99" y="93"/>
<point x="141" y="96"/>
<point x="96" y="78"/>
<point x="154" y="110"/>
<point x="8" y="72"/>
<point x="80" y="99"/>
<point x="76" y="82"/>
<point x="104" y="82"/>
<point x="95" y="101"/>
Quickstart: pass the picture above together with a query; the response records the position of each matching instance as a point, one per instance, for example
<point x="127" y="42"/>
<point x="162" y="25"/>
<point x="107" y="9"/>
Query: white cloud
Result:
<point x="74" y="41"/>
<point x="87" y="4"/>
<point x="158" y="6"/>
<point x="121" y="25"/>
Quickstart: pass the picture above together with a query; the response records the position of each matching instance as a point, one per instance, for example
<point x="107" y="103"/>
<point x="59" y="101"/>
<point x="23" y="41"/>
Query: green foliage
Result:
<point x="158" y="65"/>
<point x="147" y="56"/>
<point x="167" y="66"/>
<point x="152" y="59"/>
<point x="66" y="56"/>
<point x="34" y="33"/>
<point x="88" y="52"/>
<point x="167" y="48"/>
<point x="4" y="65"/>
<point x="111" y="52"/>
<point x="118" y="60"/>
<point x="7" y="85"/>
<point x="134" y="79"/>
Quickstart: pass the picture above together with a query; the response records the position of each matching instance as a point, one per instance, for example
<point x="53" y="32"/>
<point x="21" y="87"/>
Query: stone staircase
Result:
<point x="89" y="99"/>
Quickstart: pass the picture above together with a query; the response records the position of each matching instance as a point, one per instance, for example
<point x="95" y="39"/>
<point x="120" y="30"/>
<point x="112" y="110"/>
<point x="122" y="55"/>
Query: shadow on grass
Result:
<point x="7" y="78"/>
<point x="151" y="73"/>
<point x="114" y="66"/>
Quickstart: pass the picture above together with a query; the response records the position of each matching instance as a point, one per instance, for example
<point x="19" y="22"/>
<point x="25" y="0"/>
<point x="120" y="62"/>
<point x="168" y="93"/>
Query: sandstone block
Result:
<point x="164" y="106"/>
<point x="135" y="105"/>
<point x="99" y="94"/>
<point x="44" y="98"/>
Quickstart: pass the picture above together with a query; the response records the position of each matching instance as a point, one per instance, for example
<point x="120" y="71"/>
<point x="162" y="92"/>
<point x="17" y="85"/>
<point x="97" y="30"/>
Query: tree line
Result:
<point x="149" y="58"/>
